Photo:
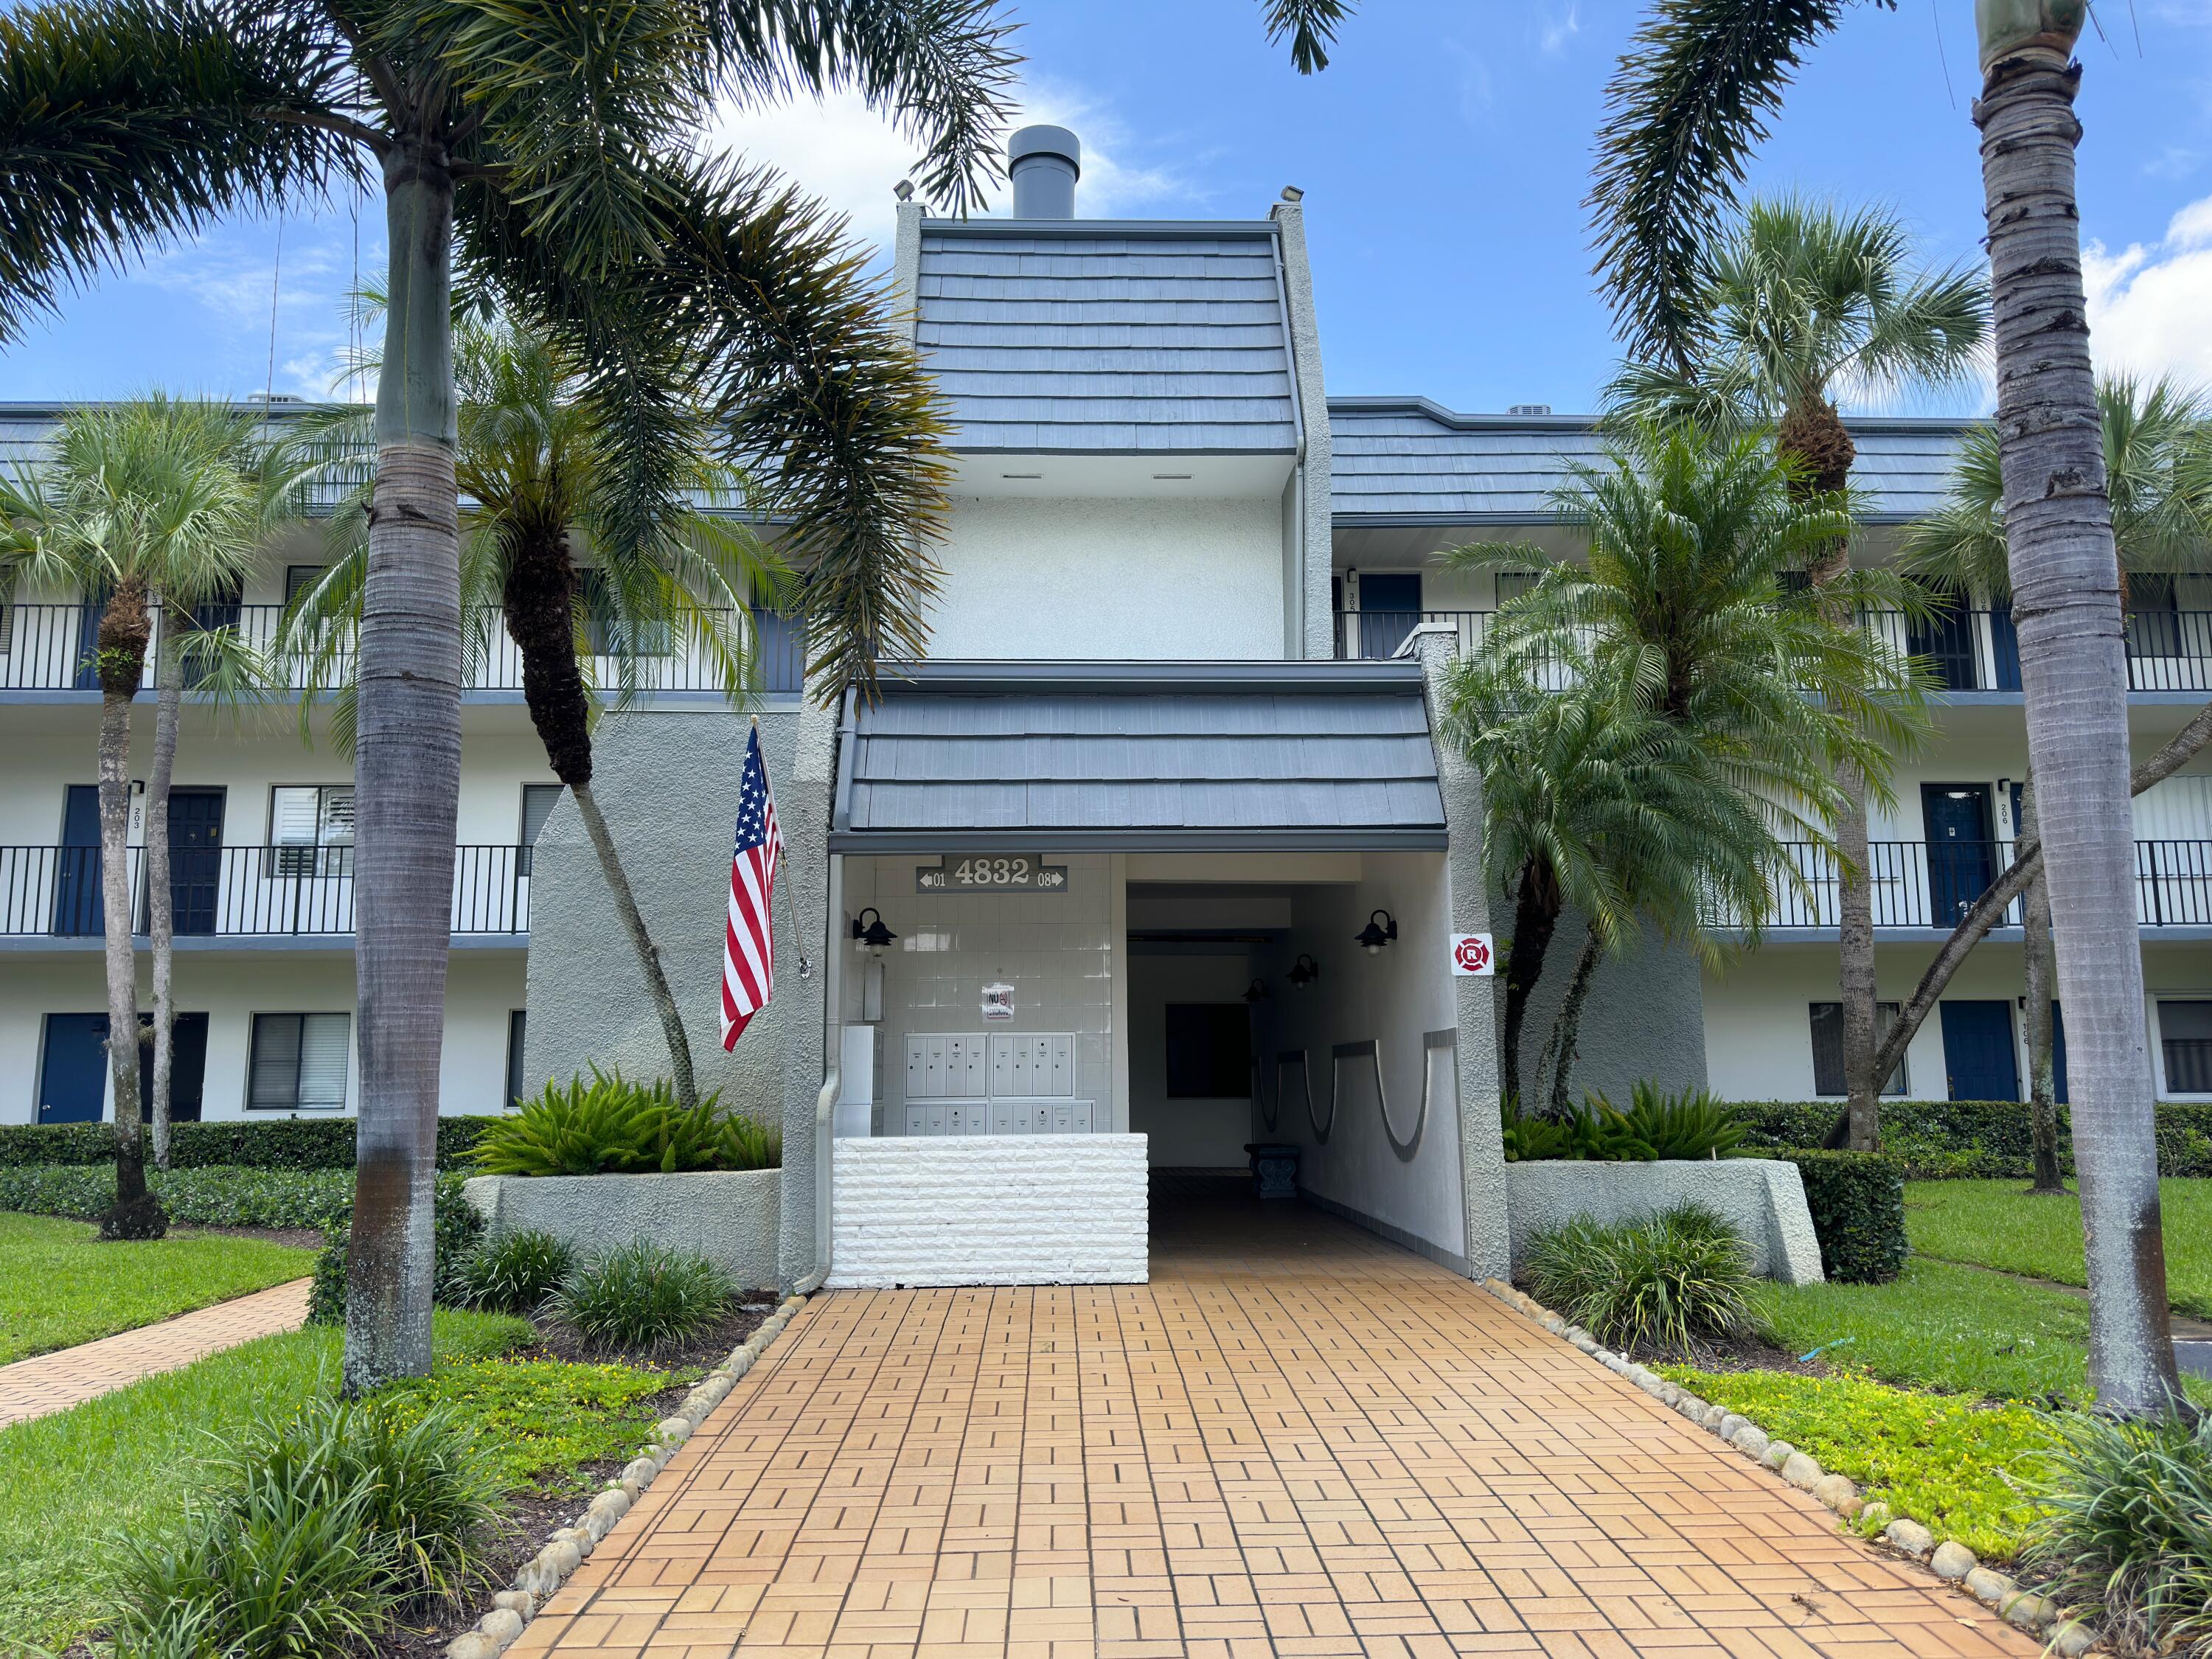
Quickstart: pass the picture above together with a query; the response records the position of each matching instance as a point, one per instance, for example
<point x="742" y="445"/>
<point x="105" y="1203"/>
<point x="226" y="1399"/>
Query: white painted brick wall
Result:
<point x="990" y="1210"/>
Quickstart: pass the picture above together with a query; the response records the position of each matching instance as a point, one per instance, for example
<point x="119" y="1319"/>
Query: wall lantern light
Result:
<point x="1381" y="927"/>
<point x="1304" y="972"/>
<point x="1256" y="991"/>
<point x="871" y="936"/>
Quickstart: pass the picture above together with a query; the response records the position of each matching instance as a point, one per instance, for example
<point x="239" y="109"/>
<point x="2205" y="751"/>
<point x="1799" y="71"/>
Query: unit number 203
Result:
<point x="994" y="872"/>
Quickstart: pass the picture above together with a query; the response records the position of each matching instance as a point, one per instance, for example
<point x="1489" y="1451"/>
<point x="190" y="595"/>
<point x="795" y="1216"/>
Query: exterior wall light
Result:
<point x="1381" y="927"/>
<point x="1256" y="991"/>
<point x="871" y="936"/>
<point x="1304" y="972"/>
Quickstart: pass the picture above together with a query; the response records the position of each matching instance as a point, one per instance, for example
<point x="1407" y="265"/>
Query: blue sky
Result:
<point x="1444" y="155"/>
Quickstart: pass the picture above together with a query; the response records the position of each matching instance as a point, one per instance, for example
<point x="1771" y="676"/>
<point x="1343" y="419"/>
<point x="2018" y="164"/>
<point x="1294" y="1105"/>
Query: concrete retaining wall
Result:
<point x="728" y="1215"/>
<point x="1763" y="1198"/>
<point x="990" y="1210"/>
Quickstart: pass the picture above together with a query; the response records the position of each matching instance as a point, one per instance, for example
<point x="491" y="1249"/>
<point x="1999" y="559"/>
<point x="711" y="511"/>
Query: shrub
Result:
<point x="611" y="1125"/>
<point x="257" y="1143"/>
<point x="1693" y="1124"/>
<point x="2126" y="1531"/>
<point x="1858" y="1201"/>
<point x="455" y="1228"/>
<point x="208" y="1197"/>
<point x="641" y="1295"/>
<point x="1664" y="1283"/>
<point x="1656" y="1124"/>
<point x="514" y="1273"/>
<point x="1986" y="1140"/>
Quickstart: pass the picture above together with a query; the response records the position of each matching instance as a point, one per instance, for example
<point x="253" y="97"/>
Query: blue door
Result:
<point x="2004" y="643"/>
<point x="1979" y="1060"/>
<point x="2058" y="1055"/>
<point x="1389" y="606"/>
<point x="195" y="859"/>
<point x="88" y="614"/>
<point x="77" y="912"/>
<point x="1961" y="849"/>
<point x="73" y="1074"/>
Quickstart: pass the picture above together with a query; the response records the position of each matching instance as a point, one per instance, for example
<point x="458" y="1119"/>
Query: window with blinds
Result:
<point x="299" y="1062"/>
<point x="1828" y="1048"/>
<point x="311" y="827"/>
<point x="538" y="800"/>
<point x="1512" y="585"/>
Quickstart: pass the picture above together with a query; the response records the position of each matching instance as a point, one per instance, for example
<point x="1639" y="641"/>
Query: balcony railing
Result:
<point x="1966" y="650"/>
<point x="48" y="647"/>
<point x="244" y="892"/>
<point x="1923" y="884"/>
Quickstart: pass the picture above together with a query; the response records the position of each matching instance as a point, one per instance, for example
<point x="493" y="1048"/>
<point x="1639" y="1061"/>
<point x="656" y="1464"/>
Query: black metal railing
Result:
<point x="1924" y="884"/>
<point x="244" y="891"/>
<point x="48" y="647"/>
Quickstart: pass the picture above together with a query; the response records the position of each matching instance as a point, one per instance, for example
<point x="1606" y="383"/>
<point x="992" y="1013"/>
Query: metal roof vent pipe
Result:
<point x="1044" y="163"/>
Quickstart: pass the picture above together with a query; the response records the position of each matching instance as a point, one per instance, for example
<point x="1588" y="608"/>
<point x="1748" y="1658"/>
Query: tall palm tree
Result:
<point x="554" y="151"/>
<point x="533" y="460"/>
<point x="1684" y="600"/>
<point x="144" y="501"/>
<point x="2157" y="442"/>
<point x="1690" y="102"/>
<point x="1799" y="302"/>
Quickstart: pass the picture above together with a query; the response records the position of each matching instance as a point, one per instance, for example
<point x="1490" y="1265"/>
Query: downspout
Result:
<point x="833" y="993"/>
<point x="1294" y="592"/>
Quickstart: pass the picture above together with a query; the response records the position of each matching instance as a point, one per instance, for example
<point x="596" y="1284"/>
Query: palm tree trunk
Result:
<point x="407" y="782"/>
<point x="1535" y="915"/>
<point x="2058" y="526"/>
<point x="161" y="898"/>
<point x="1855" y="969"/>
<point x="2038" y="972"/>
<point x="121" y="660"/>
<point x="1566" y="1025"/>
<point x="649" y="956"/>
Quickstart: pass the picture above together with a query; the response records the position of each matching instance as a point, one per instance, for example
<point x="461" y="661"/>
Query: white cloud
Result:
<point x="842" y="151"/>
<point x="2150" y="307"/>
<point x="1556" y="27"/>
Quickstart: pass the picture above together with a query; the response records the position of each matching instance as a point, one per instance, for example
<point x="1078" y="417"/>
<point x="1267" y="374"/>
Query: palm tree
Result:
<point x="1798" y="301"/>
<point x="554" y="152"/>
<point x="2158" y="457"/>
<point x="1689" y="103"/>
<point x="533" y="460"/>
<point x="1685" y="600"/>
<point x="145" y="502"/>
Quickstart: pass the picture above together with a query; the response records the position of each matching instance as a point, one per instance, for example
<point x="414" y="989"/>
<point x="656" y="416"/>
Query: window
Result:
<point x="1209" y="1051"/>
<point x="2185" y="1041"/>
<point x="1828" y="1048"/>
<point x="538" y="800"/>
<point x="517" y="1026"/>
<point x="1512" y="584"/>
<point x="298" y="578"/>
<point x="299" y="1062"/>
<point x="311" y="827"/>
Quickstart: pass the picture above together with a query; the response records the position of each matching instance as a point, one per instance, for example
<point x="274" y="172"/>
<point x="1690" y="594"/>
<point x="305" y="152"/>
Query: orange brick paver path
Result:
<point x="55" y="1382"/>
<point x="1296" y="1440"/>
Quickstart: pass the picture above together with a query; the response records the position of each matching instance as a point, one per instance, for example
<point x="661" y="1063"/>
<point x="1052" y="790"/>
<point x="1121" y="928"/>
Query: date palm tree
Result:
<point x="148" y="502"/>
<point x="1690" y="102"/>
<point x="553" y="152"/>
<point x="1799" y="301"/>
<point x="534" y="461"/>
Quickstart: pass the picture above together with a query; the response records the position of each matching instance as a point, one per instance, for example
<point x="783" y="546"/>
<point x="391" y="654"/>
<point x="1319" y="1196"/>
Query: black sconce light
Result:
<point x="1304" y="972"/>
<point x="873" y="936"/>
<point x="1381" y="927"/>
<point x="1256" y="991"/>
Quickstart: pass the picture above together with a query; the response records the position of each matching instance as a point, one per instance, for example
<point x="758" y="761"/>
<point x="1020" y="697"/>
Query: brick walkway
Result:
<point x="55" y="1382"/>
<point x="1296" y="1440"/>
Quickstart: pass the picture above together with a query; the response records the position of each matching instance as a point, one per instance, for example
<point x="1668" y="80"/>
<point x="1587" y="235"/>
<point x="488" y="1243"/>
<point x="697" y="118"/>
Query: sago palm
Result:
<point x="533" y="462"/>
<point x="554" y="153"/>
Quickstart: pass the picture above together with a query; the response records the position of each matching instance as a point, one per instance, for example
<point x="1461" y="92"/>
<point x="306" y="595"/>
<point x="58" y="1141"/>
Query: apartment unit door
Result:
<point x="77" y="911"/>
<point x="187" y="1068"/>
<point x="195" y="859"/>
<point x="73" y="1070"/>
<point x="1979" y="1059"/>
<point x="1389" y="606"/>
<point x="1961" y="849"/>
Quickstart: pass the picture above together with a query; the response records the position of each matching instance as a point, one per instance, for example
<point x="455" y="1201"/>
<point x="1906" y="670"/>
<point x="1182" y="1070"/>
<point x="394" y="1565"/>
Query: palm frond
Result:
<point x="1312" y="25"/>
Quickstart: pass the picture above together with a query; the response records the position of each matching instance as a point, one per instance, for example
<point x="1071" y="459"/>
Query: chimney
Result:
<point x="1044" y="163"/>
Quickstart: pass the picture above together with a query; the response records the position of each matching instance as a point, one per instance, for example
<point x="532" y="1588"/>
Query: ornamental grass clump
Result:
<point x="641" y="1296"/>
<point x="1669" y="1284"/>
<point x="612" y="1125"/>
<point x="2125" y="1534"/>
<point x="514" y="1273"/>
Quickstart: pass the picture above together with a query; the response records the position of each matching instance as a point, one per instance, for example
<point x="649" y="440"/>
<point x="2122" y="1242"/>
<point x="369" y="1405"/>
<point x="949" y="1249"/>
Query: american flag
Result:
<point x="748" y="947"/>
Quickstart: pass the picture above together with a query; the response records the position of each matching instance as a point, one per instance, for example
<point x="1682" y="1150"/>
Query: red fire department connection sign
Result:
<point x="1472" y="957"/>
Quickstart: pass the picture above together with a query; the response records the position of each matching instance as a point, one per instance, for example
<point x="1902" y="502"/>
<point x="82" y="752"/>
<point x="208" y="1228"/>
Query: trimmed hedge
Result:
<point x="456" y="1228"/>
<point x="276" y="1143"/>
<point x="1962" y="1140"/>
<point x="1858" y="1201"/>
<point x="215" y="1197"/>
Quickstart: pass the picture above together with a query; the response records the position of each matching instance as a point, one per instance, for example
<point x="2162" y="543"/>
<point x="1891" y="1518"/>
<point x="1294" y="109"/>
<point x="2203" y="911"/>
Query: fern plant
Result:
<point x="610" y="1125"/>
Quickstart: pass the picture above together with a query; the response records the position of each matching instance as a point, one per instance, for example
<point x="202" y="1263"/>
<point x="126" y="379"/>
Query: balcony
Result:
<point x="1964" y="650"/>
<point x="244" y="893"/>
<point x="1923" y="886"/>
<point x="48" y="647"/>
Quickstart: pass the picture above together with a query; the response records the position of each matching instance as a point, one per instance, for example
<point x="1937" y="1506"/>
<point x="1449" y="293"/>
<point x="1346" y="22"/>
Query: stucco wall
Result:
<point x="1644" y="1018"/>
<point x="728" y="1215"/>
<point x="1111" y="578"/>
<point x="1764" y="1198"/>
<point x="991" y="1210"/>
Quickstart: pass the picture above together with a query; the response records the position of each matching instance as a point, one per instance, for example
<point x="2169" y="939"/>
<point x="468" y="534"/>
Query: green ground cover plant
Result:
<point x="612" y="1125"/>
<point x="1994" y="1224"/>
<point x="540" y="1420"/>
<point x="59" y="1286"/>
<point x="1959" y="1466"/>
<point x="219" y="1195"/>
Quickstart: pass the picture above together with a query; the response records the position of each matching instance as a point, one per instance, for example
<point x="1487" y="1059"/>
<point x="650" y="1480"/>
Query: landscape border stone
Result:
<point x="1948" y="1559"/>
<point x="568" y="1548"/>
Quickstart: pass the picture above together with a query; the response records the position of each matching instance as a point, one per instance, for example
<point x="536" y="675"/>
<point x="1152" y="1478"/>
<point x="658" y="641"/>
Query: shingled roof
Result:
<point x="1108" y="336"/>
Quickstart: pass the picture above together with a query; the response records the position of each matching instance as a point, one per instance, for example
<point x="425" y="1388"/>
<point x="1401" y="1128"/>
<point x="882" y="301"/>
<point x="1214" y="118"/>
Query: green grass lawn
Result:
<point x="127" y="1462"/>
<point x="1993" y="1223"/>
<point x="60" y="1286"/>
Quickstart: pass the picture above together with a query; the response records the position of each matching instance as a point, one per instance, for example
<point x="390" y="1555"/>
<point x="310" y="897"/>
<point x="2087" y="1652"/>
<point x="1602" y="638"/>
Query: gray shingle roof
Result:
<point x="1049" y="755"/>
<point x="1105" y="337"/>
<point x="1407" y="460"/>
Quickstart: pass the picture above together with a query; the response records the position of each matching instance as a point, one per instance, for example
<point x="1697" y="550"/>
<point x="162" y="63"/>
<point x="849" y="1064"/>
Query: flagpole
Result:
<point x="791" y="908"/>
